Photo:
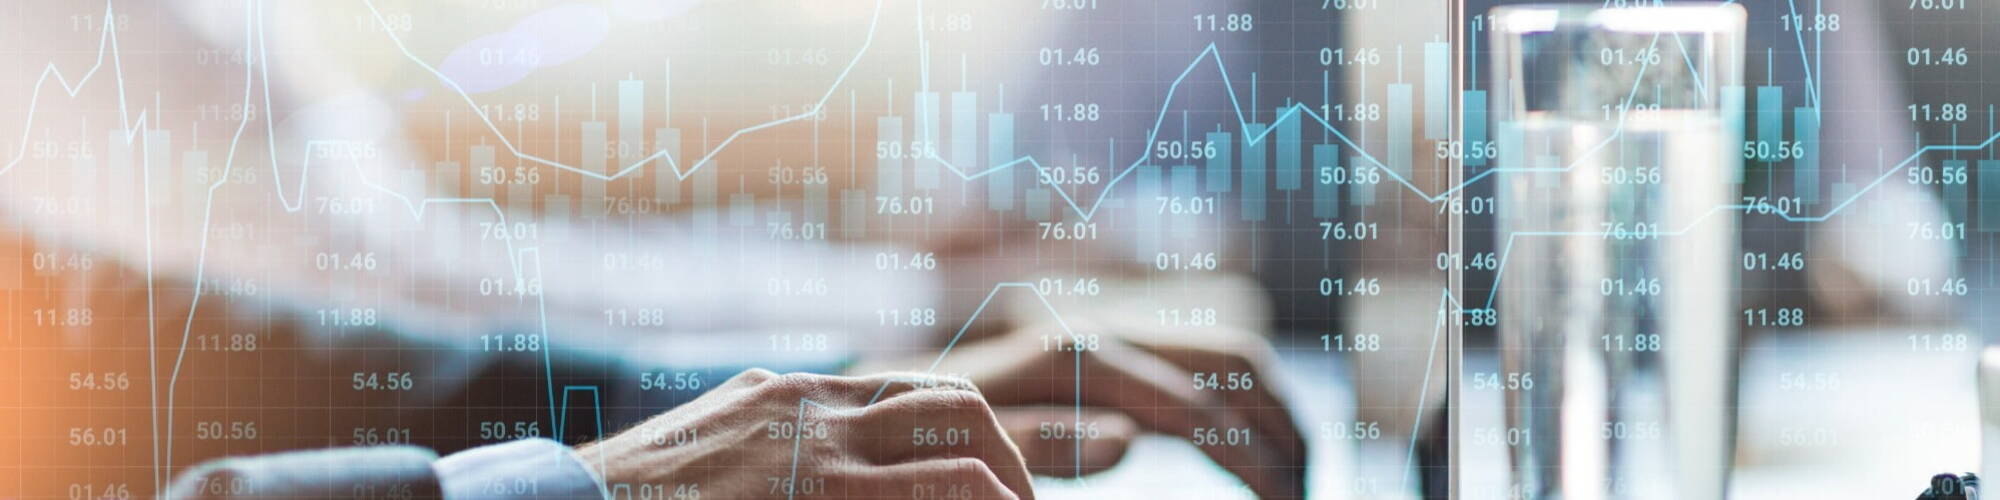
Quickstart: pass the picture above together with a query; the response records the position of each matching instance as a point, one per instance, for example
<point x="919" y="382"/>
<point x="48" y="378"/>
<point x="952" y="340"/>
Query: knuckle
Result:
<point x="753" y="376"/>
<point x="788" y="386"/>
<point x="902" y="381"/>
<point x="944" y="402"/>
<point x="947" y="382"/>
<point x="960" y="402"/>
<point x="887" y="412"/>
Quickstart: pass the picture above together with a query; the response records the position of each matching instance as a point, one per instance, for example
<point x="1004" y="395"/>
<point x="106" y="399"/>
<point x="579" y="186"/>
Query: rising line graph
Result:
<point x="137" y="126"/>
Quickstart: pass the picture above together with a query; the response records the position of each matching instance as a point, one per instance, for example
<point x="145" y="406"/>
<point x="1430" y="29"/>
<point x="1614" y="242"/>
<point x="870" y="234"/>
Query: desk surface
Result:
<point x="1895" y="416"/>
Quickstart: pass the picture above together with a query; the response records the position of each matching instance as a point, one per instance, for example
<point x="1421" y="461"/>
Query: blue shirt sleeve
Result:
<point x="528" y="468"/>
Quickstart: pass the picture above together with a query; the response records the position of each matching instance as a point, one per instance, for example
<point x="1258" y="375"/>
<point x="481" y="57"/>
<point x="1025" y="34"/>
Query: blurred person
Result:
<point x="263" y="195"/>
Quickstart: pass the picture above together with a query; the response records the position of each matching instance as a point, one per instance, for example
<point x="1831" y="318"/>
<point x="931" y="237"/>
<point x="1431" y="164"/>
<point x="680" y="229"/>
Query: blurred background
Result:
<point x="234" y="227"/>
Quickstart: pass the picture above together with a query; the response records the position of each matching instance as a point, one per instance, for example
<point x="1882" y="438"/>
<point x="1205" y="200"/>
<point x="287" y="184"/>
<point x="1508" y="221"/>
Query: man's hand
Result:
<point x="762" y="435"/>
<point x="1213" y="387"/>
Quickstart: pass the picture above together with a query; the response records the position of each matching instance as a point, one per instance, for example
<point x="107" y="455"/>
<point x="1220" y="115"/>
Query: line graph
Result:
<point x="1210" y="52"/>
<point x="136" y="127"/>
<point x="107" y="45"/>
<point x="663" y="153"/>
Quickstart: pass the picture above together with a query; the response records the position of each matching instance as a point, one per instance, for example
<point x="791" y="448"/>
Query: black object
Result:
<point x="1952" y="487"/>
<point x="1434" y="454"/>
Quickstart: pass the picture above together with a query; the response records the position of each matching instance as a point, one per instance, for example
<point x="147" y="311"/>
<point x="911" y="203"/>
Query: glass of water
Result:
<point x="1617" y="224"/>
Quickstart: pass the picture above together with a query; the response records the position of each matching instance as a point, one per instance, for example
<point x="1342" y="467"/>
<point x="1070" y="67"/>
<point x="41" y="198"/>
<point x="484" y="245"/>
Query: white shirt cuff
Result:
<point x="528" y="468"/>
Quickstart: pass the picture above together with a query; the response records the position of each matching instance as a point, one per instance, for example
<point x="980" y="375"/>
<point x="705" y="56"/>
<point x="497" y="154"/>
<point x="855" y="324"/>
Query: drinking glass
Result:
<point x="1619" y="133"/>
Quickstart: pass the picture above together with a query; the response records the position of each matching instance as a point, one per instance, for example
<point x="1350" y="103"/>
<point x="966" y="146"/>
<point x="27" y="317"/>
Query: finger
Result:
<point x="1160" y="397"/>
<point x="853" y="392"/>
<point x="948" y="478"/>
<point x="887" y="385"/>
<point x="1258" y="394"/>
<point x="1056" y="441"/>
<point x="933" y="424"/>
<point x="1116" y="376"/>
